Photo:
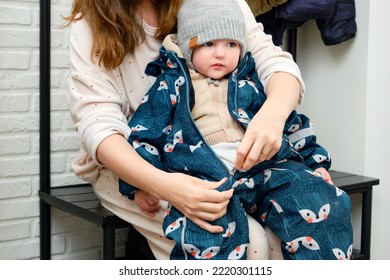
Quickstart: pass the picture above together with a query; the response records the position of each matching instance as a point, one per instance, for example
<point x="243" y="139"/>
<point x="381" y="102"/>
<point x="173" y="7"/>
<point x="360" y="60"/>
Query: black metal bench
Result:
<point x="81" y="201"/>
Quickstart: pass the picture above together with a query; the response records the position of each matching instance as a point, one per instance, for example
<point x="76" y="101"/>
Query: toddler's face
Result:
<point x="217" y="58"/>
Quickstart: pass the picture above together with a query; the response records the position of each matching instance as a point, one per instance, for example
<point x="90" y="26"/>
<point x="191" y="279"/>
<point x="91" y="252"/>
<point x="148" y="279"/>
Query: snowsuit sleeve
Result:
<point x="301" y="134"/>
<point x="150" y="126"/>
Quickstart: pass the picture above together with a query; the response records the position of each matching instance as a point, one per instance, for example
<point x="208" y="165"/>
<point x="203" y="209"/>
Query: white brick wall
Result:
<point x="72" y="238"/>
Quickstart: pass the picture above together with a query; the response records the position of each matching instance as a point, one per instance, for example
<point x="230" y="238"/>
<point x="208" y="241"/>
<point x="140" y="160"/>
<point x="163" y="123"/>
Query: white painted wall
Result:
<point x="348" y="98"/>
<point x="377" y="118"/>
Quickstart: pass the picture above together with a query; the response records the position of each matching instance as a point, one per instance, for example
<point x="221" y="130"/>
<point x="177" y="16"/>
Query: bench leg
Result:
<point x="45" y="230"/>
<point x="108" y="242"/>
<point x="366" y="222"/>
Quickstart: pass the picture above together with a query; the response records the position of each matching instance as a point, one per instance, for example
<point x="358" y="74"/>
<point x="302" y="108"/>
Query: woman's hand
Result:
<point x="324" y="174"/>
<point x="262" y="139"/>
<point x="198" y="199"/>
<point x="195" y="198"/>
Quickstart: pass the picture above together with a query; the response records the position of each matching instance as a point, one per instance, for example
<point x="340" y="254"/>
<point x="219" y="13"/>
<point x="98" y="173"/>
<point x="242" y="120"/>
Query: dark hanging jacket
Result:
<point x="335" y="19"/>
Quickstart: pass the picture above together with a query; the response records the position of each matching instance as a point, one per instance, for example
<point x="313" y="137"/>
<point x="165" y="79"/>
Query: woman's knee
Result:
<point x="258" y="248"/>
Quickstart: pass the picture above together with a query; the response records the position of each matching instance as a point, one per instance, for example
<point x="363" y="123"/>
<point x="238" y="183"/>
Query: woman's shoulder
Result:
<point x="80" y="33"/>
<point x="244" y="7"/>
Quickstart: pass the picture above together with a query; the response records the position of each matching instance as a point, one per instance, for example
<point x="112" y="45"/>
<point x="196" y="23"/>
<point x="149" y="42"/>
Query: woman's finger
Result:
<point x="210" y="211"/>
<point x="207" y="226"/>
<point x="242" y="153"/>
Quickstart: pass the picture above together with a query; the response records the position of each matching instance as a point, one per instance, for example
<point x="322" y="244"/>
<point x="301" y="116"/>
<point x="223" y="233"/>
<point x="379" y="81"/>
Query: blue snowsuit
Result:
<point x="312" y="217"/>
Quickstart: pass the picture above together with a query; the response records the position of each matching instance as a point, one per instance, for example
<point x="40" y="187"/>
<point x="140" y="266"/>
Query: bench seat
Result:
<point x="81" y="201"/>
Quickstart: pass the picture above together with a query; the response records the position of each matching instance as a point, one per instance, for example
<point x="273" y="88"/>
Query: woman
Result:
<point x="111" y="43"/>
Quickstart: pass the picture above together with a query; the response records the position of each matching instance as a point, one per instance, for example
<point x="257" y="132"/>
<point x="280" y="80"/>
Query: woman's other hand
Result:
<point x="262" y="139"/>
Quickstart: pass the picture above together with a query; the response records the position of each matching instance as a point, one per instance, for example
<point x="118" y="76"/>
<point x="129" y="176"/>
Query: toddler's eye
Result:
<point x="232" y="44"/>
<point x="208" y="44"/>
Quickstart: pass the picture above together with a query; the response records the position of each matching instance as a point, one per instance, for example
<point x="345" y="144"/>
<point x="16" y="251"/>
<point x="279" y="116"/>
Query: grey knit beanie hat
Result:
<point x="202" y="21"/>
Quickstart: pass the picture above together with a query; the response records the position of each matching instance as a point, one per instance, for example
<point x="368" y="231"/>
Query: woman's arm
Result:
<point x="284" y="87"/>
<point x="195" y="198"/>
<point x="270" y="59"/>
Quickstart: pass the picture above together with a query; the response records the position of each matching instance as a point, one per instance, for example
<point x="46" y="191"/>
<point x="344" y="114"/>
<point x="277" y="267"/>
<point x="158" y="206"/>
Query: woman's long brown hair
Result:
<point x="115" y="32"/>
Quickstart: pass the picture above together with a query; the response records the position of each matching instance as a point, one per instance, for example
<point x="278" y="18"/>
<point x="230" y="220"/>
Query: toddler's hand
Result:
<point x="147" y="202"/>
<point x="324" y="174"/>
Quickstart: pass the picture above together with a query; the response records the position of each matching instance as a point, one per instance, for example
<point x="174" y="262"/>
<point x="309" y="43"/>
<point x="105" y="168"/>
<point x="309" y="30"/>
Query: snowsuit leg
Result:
<point x="312" y="217"/>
